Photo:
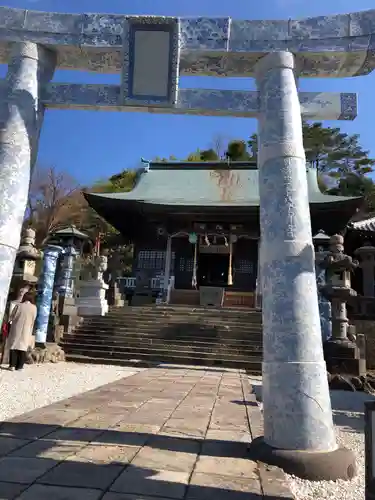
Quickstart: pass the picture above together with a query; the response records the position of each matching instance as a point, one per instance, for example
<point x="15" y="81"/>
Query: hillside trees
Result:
<point x="342" y="164"/>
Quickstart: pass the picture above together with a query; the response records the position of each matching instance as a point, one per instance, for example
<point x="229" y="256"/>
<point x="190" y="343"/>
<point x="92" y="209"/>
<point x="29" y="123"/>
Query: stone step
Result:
<point x="77" y="358"/>
<point x="170" y="319"/>
<point x="190" y="337"/>
<point x="116" y="319"/>
<point x="198" y="312"/>
<point x="84" y="358"/>
<point x="136" y="339"/>
<point x="166" y="350"/>
<point x="253" y="365"/>
<point x="217" y="311"/>
<point x="189" y="331"/>
<point x="169" y="346"/>
<point x="170" y="334"/>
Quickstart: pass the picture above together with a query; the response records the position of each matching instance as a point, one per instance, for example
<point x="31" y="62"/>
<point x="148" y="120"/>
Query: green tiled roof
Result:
<point x="204" y="185"/>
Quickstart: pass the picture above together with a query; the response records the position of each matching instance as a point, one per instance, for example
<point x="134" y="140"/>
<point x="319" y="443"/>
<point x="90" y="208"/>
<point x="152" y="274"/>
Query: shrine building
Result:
<point x="196" y="225"/>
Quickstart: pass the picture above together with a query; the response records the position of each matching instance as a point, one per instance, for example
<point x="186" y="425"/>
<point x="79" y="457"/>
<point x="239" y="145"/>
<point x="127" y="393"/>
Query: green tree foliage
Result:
<point x="342" y="164"/>
<point x="330" y="151"/>
<point x="335" y="153"/>
<point x="164" y="160"/>
<point x="237" y="151"/>
<point x="124" y="181"/>
<point x="93" y="224"/>
<point x="120" y="251"/>
<point x="204" y="155"/>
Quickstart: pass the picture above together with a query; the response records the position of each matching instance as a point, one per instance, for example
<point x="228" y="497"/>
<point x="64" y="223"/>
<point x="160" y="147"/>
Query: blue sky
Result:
<point x="92" y="145"/>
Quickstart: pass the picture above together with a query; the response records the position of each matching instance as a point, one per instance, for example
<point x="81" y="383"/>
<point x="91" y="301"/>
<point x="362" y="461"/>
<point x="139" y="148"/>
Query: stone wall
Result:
<point x="367" y="328"/>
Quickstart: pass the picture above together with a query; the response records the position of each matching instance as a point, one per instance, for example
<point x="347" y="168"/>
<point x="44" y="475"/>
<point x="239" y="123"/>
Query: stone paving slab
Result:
<point x="165" y="433"/>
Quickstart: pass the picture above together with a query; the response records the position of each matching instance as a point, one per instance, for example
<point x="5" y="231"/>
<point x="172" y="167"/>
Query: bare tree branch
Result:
<point x="54" y="200"/>
<point x="219" y="145"/>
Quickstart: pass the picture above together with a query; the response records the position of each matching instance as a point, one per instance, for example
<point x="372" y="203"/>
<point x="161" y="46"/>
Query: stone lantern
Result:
<point x="341" y="354"/>
<point x="366" y="256"/>
<point x="25" y="266"/>
<point x="23" y="278"/>
<point x="69" y="236"/>
<point x="321" y="243"/>
<point x="71" y="240"/>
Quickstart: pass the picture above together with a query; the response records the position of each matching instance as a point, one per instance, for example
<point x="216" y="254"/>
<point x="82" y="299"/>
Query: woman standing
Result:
<point x="21" y="322"/>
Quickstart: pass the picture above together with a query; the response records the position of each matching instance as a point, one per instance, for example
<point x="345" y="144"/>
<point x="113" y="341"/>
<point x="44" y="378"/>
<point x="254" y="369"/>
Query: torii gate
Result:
<point x="150" y="53"/>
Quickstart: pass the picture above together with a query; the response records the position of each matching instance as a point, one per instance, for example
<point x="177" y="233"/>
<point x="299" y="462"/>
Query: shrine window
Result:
<point x="153" y="259"/>
<point x="244" y="266"/>
<point x="186" y="265"/>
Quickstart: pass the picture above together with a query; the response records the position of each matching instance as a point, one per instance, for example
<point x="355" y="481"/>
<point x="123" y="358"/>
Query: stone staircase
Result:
<point x="143" y="336"/>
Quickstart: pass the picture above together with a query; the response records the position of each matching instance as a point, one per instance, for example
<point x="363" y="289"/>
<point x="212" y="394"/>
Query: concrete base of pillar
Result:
<point x="343" y="357"/>
<point x="319" y="466"/>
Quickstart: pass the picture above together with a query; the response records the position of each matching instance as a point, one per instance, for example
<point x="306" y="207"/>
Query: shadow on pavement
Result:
<point x="53" y="462"/>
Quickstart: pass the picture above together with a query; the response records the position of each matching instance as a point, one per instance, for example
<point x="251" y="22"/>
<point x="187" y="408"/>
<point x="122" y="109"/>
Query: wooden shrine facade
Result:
<point x="196" y="226"/>
<point x="223" y="257"/>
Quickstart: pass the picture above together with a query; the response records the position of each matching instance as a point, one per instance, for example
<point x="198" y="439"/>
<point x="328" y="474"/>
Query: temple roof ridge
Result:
<point x="205" y="165"/>
<point x="207" y="184"/>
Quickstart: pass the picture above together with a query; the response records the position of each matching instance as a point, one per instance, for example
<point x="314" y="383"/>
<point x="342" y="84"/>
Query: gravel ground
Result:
<point x="41" y="385"/>
<point x="348" y="414"/>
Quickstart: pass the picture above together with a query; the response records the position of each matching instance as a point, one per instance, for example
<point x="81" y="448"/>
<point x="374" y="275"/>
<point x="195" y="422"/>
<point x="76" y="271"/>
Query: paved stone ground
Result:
<point x="164" y="433"/>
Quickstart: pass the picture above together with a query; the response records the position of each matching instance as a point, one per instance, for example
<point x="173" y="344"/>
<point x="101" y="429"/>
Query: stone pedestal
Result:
<point x="67" y="324"/>
<point x="91" y="300"/>
<point x="344" y="358"/>
<point x="342" y="355"/>
<point x="298" y="427"/>
<point x="51" y="353"/>
<point x="67" y="306"/>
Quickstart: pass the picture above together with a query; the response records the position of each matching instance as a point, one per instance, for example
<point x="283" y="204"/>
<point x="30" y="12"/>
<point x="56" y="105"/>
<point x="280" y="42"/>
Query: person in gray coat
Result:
<point x="21" y="322"/>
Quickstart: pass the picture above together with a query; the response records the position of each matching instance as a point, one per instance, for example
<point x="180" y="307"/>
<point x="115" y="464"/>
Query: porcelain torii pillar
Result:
<point x="21" y="115"/>
<point x="298" y="424"/>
